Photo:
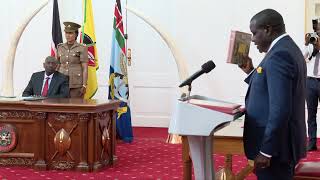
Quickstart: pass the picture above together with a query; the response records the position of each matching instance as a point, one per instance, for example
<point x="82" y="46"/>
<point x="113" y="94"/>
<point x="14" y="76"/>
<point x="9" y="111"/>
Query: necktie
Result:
<point x="45" y="88"/>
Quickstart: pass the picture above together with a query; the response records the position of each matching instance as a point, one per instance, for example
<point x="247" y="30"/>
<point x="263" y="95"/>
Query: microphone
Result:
<point x="205" y="68"/>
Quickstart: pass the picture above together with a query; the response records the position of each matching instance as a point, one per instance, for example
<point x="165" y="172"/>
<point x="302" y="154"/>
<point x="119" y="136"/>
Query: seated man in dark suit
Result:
<point x="48" y="83"/>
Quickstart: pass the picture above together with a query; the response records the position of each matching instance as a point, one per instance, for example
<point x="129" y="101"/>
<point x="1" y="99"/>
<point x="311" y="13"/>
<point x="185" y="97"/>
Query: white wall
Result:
<point x="34" y="44"/>
<point x="201" y="30"/>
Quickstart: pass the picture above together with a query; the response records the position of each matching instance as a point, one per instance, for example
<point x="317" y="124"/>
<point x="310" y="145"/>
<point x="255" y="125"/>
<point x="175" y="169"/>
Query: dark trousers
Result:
<point x="276" y="171"/>
<point x="313" y="96"/>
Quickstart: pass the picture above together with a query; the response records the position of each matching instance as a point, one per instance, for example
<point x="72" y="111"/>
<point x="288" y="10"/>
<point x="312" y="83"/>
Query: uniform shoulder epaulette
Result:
<point x="59" y="44"/>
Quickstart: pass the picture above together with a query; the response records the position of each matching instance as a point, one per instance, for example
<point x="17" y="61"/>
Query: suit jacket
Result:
<point x="58" y="88"/>
<point x="275" y="104"/>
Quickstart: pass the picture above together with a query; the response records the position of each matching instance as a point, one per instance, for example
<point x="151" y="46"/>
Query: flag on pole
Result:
<point x="88" y="38"/>
<point x="56" y="29"/>
<point x="118" y="78"/>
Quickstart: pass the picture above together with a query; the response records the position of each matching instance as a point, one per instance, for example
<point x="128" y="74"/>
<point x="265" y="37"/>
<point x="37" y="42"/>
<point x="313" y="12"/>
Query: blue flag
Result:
<point x="118" y="78"/>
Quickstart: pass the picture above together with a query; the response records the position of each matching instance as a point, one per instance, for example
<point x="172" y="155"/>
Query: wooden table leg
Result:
<point x="187" y="163"/>
<point x="83" y="124"/>
<point x="114" y="157"/>
<point x="41" y="163"/>
<point x="245" y="171"/>
<point x="226" y="172"/>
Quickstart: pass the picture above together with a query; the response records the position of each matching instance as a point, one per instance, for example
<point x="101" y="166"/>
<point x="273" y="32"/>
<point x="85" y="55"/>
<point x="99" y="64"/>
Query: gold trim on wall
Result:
<point x="312" y="11"/>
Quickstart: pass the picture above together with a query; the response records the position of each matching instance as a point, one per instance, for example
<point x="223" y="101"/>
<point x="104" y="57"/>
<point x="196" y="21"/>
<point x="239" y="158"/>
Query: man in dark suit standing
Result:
<point x="48" y="83"/>
<point x="274" y="129"/>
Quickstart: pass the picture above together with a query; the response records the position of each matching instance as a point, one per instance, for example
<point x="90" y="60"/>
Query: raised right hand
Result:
<point x="246" y="65"/>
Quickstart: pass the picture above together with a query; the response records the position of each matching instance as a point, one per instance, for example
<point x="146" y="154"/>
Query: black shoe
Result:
<point x="312" y="147"/>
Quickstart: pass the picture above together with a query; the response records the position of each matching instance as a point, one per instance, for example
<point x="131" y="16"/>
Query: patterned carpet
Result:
<point x="147" y="158"/>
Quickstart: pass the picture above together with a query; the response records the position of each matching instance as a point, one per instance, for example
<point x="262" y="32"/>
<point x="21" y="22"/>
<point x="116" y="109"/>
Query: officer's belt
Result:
<point x="65" y="64"/>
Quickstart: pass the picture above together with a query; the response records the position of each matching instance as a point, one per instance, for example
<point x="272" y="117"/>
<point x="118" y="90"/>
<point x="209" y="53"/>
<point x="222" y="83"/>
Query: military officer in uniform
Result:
<point x="73" y="58"/>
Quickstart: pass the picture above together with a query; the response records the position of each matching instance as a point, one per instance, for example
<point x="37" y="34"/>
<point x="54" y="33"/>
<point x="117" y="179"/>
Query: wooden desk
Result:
<point x="72" y="134"/>
<point x="227" y="141"/>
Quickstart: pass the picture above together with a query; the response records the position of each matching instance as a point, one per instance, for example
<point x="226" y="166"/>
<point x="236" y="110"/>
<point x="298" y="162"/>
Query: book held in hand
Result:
<point x="239" y="45"/>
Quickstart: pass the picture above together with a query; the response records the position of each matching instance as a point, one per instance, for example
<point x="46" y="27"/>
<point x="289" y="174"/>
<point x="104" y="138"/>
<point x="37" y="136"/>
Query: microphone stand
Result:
<point x="185" y="97"/>
<point x="189" y="91"/>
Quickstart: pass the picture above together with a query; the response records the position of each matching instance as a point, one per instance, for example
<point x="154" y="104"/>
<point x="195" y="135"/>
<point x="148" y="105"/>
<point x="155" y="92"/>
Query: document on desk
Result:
<point x="33" y="98"/>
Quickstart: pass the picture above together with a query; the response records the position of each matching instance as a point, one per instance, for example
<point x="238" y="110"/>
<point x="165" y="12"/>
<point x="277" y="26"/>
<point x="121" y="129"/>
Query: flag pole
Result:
<point x="84" y="20"/>
<point x="126" y="34"/>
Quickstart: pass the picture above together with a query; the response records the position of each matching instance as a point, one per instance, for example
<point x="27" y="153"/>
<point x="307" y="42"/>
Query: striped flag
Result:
<point x="88" y="37"/>
<point x="56" y="29"/>
<point x="118" y="78"/>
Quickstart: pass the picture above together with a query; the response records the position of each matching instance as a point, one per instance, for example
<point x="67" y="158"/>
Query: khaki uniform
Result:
<point x="70" y="62"/>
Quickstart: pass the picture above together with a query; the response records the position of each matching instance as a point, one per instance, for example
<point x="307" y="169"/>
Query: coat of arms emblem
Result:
<point x="8" y="138"/>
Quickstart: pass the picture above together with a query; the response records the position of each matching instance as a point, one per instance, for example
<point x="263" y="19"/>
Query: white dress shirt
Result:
<point x="271" y="46"/>
<point x="310" y="63"/>
<point x="276" y="40"/>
